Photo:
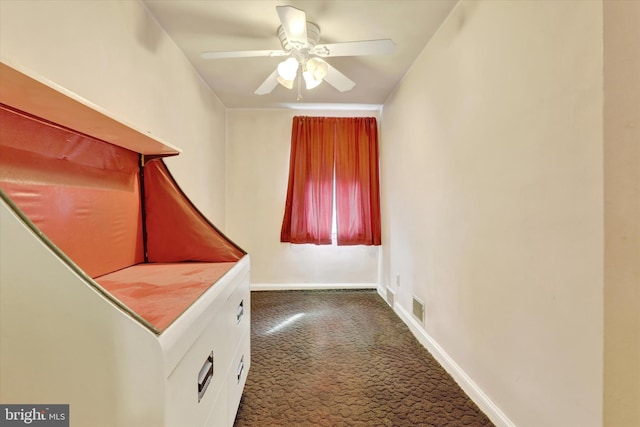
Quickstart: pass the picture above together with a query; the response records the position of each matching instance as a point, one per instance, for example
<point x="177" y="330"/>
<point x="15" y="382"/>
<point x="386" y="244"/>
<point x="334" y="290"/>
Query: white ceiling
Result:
<point x="199" y="26"/>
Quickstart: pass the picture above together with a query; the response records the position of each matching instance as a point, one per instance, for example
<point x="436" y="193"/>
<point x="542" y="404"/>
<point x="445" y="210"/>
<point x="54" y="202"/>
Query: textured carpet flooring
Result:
<point x="343" y="358"/>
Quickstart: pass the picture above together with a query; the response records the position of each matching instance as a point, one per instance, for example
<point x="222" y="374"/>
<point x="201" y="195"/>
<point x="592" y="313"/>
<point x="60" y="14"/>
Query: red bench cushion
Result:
<point x="159" y="293"/>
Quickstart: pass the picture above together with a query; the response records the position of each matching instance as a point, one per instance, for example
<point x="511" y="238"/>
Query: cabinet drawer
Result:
<point x="218" y="416"/>
<point x="199" y="377"/>
<point x="238" y="376"/>
<point x="239" y="315"/>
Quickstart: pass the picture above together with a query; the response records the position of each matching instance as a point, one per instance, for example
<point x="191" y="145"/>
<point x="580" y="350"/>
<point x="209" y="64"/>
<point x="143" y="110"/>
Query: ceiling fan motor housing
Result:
<point x="313" y="36"/>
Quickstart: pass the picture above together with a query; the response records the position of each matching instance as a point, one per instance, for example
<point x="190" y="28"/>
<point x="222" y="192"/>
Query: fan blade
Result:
<point x="294" y="24"/>
<point x="243" y="54"/>
<point x="361" y="48"/>
<point x="338" y="80"/>
<point x="269" y="84"/>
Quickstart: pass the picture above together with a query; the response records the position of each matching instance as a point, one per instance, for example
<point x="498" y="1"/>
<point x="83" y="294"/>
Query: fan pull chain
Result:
<point x="299" y="87"/>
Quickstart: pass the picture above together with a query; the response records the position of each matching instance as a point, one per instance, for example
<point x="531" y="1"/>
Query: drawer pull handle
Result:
<point x="204" y="376"/>
<point x="240" y="312"/>
<point x="240" y="369"/>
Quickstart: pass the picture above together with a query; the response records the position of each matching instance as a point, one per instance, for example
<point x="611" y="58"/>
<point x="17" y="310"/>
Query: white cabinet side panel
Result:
<point x="63" y="342"/>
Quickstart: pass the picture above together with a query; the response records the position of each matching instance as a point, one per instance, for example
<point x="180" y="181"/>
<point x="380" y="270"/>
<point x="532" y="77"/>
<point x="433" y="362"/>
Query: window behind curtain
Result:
<point x="324" y="149"/>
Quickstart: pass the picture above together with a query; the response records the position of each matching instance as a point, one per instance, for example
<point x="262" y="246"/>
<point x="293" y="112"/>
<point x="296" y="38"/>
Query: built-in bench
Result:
<point x="100" y="247"/>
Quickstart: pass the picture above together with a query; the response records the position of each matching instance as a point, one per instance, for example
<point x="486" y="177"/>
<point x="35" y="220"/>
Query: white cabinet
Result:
<point x="65" y="339"/>
<point x="226" y="340"/>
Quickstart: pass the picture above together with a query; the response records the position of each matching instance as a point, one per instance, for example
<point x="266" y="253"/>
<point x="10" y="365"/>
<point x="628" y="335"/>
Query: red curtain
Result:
<point x="309" y="205"/>
<point x="323" y="148"/>
<point x="357" y="184"/>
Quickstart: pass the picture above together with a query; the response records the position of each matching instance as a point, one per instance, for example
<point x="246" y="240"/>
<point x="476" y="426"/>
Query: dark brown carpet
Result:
<point x="343" y="358"/>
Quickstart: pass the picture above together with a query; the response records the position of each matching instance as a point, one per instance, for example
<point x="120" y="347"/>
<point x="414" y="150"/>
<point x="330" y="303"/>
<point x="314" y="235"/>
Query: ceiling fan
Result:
<point x="299" y="39"/>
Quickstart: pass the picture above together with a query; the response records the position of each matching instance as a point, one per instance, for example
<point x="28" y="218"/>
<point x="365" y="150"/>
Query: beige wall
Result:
<point x="258" y="144"/>
<point x="622" y="213"/>
<point x="492" y="171"/>
<point x="117" y="57"/>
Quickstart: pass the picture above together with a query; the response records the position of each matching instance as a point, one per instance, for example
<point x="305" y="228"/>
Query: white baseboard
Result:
<point x="466" y="383"/>
<point x="309" y="286"/>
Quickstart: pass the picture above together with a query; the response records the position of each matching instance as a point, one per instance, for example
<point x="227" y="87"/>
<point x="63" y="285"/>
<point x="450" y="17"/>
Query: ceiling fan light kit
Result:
<point x="315" y="69"/>
<point x="309" y="81"/>
<point x="284" y="82"/>
<point x="299" y="40"/>
<point x="288" y="69"/>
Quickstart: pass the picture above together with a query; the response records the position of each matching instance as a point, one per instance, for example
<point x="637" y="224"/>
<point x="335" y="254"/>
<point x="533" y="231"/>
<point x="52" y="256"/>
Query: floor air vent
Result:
<point x="418" y="309"/>
<point x="391" y="297"/>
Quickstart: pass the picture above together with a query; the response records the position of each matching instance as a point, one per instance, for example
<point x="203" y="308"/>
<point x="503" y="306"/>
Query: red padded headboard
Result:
<point x="82" y="193"/>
